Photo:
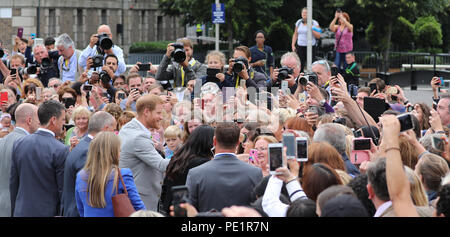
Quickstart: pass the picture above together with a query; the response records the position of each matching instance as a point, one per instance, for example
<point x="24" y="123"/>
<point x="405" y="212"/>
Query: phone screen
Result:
<point x="289" y="142"/>
<point x="38" y="93"/>
<point x="361" y="144"/>
<point x="275" y="158"/>
<point x="334" y="71"/>
<point x="144" y="67"/>
<point x="405" y="122"/>
<point x="373" y="87"/>
<point x="302" y="150"/>
<point x="438" y="143"/>
<point x="179" y="195"/>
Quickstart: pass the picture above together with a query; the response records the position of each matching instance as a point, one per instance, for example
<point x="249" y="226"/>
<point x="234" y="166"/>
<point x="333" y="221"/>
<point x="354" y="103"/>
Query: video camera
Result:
<point x="312" y="77"/>
<point x="239" y="64"/>
<point x="284" y="73"/>
<point x="178" y="55"/>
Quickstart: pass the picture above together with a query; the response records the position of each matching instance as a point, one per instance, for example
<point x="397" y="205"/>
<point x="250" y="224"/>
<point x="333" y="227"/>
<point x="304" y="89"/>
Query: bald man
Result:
<point x="91" y="50"/>
<point x="27" y="122"/>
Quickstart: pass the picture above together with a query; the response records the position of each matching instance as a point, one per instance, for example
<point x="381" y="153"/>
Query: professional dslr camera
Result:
<point x="104" y="77"/>
<point x="178" y="55"/>
<point x="284" y="73"/>
<point x="27" y="70"/>
<point x="239" y="64"/>
<point x="97" y="61"/>
<point x="45" y="64"/>
<point x="312" y="77"/>
<point x="103" y="43"/>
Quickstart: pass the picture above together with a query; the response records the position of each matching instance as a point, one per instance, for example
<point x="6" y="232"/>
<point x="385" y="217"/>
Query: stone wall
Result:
<point x="138" y="17"/>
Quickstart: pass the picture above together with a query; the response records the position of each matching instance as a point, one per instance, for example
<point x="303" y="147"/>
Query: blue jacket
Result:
<point x="74" y="163"/>
<point x="351" y="168"/>
<point x="81" y="195"/>
<point x="37" y="175"/>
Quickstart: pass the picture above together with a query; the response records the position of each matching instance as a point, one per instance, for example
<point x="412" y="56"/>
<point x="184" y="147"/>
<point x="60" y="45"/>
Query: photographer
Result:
<point x="184" y="66"/>
<point x="47" y="63"/>
<point x="15" y="77"/>
<point x="290" y="66"/>
<point x="242" y="57"/>
<point x="95" y="49"/>
<point x="68" y="66"/>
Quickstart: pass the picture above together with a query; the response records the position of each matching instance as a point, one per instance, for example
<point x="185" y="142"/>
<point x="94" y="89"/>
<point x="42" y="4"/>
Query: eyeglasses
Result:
<point x="56" y="85"/>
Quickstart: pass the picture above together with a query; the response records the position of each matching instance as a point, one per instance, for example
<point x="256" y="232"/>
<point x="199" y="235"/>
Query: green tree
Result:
<point x="242" y="18"/>
<point x="382" y="14"/>
<point x="428" y="34"/>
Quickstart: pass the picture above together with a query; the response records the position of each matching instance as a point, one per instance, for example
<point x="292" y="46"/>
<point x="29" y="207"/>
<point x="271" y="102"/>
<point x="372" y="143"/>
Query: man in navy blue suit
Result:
<point x="100" y="121"/>
<point x="225" y="180"/>
<point x="37" y="168"/>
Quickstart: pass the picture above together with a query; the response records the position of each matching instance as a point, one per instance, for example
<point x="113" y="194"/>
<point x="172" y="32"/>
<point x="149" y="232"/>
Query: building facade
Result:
<point x="130" y="20"/>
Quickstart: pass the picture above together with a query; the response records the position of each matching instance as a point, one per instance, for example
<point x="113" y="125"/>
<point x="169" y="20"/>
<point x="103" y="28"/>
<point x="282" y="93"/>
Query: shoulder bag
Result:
<point x="121" y="203"/>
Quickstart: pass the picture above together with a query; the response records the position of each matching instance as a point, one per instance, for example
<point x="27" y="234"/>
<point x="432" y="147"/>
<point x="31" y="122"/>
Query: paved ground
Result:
<point x="421" y="95"/>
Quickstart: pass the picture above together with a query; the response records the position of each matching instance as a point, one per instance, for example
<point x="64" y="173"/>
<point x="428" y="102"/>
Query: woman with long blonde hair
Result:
<point x="97" y="182"/>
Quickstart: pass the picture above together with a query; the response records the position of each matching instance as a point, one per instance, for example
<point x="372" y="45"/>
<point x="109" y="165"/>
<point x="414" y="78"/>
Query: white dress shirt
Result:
<point x="382" y="208"/>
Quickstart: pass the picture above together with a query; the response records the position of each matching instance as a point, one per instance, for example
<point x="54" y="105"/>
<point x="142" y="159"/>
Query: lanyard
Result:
<point x="252" y="74"/>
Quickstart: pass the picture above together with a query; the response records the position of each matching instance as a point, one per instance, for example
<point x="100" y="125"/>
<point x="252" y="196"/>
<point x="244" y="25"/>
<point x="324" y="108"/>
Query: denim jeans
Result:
<point x="339" y="60"/>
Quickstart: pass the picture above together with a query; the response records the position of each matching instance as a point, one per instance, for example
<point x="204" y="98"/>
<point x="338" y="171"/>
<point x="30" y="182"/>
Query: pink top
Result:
<point x="346" y="42"/>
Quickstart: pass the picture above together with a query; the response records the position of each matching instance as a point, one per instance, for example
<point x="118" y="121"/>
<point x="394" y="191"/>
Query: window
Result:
<point x="52" y="22"/>
<point x="104" y="17"/>
<point x="159" y="33"/>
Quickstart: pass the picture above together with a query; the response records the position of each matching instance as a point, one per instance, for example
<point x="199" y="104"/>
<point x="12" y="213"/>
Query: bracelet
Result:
<point x="291" y="180"/>
<point x="392" y="148"/>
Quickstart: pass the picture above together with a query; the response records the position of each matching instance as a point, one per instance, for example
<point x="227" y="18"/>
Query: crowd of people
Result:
<point x="78" y="128"/>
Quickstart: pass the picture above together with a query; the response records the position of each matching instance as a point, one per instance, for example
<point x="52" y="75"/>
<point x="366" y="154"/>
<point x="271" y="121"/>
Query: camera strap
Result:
<point x="252" y="75"/>
<point x="183" y="74"/>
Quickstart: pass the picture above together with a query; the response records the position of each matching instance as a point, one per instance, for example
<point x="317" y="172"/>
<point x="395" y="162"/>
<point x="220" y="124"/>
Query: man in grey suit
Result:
<point x="37" y="166"/>
<point x="138" y="151"/>
<point x="27" y="122"/>
<point x="100" y="121"/>
<point x="225" y="180"/>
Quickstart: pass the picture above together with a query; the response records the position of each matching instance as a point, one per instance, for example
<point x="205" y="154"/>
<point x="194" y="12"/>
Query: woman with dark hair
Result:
<point x="422" y="112"/>
<point x="262" y="55"/>
<point x="195" y="151"/>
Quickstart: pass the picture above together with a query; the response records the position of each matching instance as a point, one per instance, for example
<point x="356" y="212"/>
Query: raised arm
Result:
<point x="397" y="182"/>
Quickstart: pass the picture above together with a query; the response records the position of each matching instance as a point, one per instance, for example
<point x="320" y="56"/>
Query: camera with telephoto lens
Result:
<point x="178" y="55"/>
<point x="239" y="64"/>
<point x="284" y="73"/>
<point x="312" y="77"/>
<point x="103" y="43"/>
<point x="97" y="61"/>
<point x="104" y="77"/>
<point x="28" y="70"/>
<point x="46" y="63"/>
